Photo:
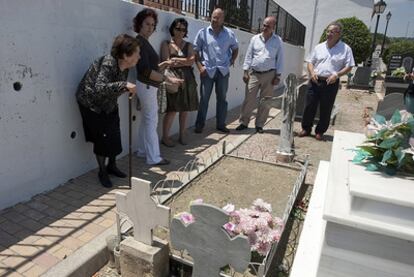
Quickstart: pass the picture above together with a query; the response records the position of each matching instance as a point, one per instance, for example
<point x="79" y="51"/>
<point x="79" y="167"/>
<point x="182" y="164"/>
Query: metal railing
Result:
<point x="246" y="15"/>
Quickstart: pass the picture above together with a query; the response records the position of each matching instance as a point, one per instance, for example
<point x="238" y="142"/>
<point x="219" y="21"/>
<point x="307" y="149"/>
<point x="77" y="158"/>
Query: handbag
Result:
<point x="169" y="87"/>
<point x="162" y="98"/>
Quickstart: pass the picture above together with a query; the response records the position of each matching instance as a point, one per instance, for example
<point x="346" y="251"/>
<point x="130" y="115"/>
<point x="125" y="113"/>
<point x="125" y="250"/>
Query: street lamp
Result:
<point x="388" y="17"/>
<point x="379" y="8"/>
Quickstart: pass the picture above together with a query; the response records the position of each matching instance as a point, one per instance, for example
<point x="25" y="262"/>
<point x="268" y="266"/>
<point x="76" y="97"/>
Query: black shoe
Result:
<point x="259" y="130"/>
<point x="104" y="179"/>
<point x="241" y="127"/>
<point x="163" y="162"/>
<point x="223" y="129"/>
<point x="113" y="170"/>
<point x="198" y="130"/>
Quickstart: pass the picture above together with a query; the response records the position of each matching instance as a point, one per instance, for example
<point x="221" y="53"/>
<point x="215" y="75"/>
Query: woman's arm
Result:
<point x="104" y="85"/>
<point x="187" y="61"/>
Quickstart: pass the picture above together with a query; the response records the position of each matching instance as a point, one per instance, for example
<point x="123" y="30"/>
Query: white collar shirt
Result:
<point x="327" y="61"/>
<point x="264" y="55"/>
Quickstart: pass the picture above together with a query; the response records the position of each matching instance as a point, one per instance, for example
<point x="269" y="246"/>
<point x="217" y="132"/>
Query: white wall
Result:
<point x="317" y="14"/>
<point x="47" y="45"/>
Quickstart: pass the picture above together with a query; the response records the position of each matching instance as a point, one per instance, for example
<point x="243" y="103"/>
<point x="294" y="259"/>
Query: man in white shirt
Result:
<point x="327" y="63"/>
<point x="262" y="67"/>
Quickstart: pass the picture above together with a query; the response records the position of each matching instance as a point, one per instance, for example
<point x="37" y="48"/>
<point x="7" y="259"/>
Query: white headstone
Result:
<point x="142" y="210"/>
<point x="208" y="243"/>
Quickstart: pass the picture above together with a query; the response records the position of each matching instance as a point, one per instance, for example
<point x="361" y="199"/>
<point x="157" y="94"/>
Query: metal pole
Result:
<point x="130" y="139"/>
<point x="267" y="8"/>
<point x="383" y="39"/>
<point x="251" y="15"/>
<point x="373" y="41"/>
<point x="197" y="7"/>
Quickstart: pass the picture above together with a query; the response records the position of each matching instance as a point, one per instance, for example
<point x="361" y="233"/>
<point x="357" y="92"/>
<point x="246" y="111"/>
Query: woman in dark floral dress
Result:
<point x="181" y="55"/>
<point x="97" y="95"/>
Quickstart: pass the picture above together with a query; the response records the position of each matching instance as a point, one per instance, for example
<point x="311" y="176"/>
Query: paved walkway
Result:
<point x="38" y="234"/>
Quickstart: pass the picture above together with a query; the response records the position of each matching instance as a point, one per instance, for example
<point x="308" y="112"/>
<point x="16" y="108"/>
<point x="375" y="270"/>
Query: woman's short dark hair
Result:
<point x="140" y="17"/>
<point x="177" y="21"/>
<point x="124" y="44"/>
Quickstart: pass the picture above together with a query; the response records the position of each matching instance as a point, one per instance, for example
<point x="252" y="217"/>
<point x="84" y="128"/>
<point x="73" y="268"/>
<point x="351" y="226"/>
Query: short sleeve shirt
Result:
<point x="327" y="61"/>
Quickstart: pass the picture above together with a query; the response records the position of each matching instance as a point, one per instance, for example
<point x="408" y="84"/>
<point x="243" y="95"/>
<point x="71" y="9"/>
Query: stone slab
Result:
<point x="377" y="186"/>
<point x="341" y="208"/>
<point x="139" y="259"/>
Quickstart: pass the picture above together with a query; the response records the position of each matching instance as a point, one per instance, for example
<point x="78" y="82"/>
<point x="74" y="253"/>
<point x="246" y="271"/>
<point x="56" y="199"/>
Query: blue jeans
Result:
<point x="221" y="84"/>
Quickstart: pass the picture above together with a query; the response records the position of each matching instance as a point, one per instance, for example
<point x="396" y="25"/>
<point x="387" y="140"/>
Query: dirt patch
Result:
<point x="240" y="182"/>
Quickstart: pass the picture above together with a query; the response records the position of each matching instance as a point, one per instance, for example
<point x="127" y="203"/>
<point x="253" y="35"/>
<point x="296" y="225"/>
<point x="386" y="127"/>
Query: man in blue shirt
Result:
<point x="216" y="48"/>
<point x="262" y="68"/>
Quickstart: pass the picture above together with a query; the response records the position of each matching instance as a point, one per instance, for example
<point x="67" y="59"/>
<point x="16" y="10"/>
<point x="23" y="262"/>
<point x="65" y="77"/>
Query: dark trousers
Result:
<point x="323" y="95"/>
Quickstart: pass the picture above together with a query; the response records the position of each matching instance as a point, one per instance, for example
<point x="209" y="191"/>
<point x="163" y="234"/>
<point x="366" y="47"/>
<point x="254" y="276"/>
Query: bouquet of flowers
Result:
<point x="399" y="72"/>
<point x="256" y="223"/>
<point x="389" y="145"/>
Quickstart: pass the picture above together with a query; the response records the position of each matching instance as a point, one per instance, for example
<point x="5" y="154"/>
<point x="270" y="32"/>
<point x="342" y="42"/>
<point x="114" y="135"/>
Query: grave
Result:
<point x="389" y="104"/>
<point x="366" y="227"/>
<point x="397" y="84"/>
<point x="232" y="180"/>
<point x="361" y="78"/>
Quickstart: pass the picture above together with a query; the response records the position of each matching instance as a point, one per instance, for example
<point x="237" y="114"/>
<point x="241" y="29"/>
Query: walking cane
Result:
<point x="130" y="139"/>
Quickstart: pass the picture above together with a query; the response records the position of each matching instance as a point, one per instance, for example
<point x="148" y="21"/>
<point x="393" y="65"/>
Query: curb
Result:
<point x="86" y="260"/>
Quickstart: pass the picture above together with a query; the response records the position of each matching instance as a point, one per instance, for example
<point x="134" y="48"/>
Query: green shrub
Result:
<point x="356" y="35"/>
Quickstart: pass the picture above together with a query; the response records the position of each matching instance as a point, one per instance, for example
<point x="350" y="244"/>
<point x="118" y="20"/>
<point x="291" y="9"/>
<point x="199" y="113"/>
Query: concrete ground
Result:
<point x="60" y="225"/>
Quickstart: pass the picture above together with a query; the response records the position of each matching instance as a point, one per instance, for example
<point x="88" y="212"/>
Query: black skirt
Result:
<point x="103" y="131"/>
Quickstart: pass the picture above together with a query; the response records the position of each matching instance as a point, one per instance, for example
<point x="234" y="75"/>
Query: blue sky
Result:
<point x="402" y="16"/>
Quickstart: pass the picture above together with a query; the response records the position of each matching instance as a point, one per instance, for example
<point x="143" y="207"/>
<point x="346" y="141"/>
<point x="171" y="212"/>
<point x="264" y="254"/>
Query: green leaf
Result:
<point x="359" y="157"/>
<point x="389" y="143"/>
<point x="380" y="119"/>
<point x="400" y="156"/>
<point x="396" y="117"/>
<point x="372" y="167"/>
<point x="387" y="155"/>
<point x="372" y="150"/>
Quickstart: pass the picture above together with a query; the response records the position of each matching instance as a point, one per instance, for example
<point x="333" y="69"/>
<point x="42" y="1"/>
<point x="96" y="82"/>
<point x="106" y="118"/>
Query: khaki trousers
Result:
<point x="262" y="81"/>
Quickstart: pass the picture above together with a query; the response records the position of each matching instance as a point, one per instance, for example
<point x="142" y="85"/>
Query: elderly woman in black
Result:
<point x="148" y="80"/>
<point x="97" y="95"/>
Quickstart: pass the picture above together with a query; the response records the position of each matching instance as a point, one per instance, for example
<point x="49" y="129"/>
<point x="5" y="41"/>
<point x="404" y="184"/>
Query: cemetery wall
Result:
<point x="317" y="14"/>
<point x="47" y="45"/>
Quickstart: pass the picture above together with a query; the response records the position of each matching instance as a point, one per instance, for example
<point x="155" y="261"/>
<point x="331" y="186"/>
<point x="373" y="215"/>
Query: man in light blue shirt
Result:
<point x="216" y="48"/>
<point x="262" y="68"/>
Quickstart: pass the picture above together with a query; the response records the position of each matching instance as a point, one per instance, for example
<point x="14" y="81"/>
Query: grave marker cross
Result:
<point x="208" y="243"/>
<point x="144" y="213"/>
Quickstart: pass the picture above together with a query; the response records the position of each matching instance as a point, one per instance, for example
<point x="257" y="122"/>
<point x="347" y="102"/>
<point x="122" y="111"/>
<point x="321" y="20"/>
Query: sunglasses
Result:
<point x="181" y="29"/>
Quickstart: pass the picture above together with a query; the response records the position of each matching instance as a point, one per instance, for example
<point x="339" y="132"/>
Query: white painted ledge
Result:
<point x="362" y="213"/>
<point x="310" y="243"/>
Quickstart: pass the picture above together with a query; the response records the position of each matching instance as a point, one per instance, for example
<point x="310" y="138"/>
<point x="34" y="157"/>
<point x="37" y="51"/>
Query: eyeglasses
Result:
<point x="180" y="29"/>
<point x="332" y="31"/>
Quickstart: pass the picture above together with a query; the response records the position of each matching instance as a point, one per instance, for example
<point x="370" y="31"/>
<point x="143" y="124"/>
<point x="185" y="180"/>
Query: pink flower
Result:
<point x="230" y="228"/>
<point x="197" y="201"/>
<point x="229" y="208"/>
<point x="185" y="217"/>
<point x="262" y="206"/>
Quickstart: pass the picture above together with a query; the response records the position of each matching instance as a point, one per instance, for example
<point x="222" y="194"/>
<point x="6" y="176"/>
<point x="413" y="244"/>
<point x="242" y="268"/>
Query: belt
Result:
<point x="262" y="72"/>
<point x="322" y="79"/>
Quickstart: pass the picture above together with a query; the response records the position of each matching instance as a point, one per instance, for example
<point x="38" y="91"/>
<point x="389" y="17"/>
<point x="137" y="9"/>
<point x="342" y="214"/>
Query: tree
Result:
<point x="356" y="35"/>
<point x="399" y="46"/>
